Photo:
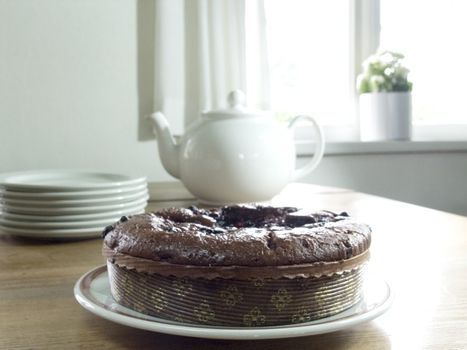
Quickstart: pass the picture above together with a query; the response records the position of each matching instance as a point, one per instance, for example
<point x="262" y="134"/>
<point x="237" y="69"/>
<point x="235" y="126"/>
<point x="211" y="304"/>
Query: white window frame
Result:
<point x="364" y="33"/>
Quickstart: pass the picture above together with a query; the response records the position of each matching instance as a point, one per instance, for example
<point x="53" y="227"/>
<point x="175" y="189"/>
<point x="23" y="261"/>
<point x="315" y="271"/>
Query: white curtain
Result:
<point x="203" y="51"/>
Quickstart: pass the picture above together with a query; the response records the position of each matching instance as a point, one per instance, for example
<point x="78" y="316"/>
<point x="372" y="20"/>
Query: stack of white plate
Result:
<point x="66" y="204"/>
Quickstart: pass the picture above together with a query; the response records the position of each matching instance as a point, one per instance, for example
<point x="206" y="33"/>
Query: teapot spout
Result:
<point x="168" y="148"/>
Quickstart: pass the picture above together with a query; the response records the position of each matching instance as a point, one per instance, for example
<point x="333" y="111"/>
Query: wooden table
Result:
<point x="421" y="252"/>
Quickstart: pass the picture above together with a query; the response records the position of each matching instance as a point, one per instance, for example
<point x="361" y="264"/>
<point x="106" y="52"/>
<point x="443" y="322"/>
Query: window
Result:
<point x="309" y="55"/>
<point x="431" y="34"/>
<point x="315" y="51"/>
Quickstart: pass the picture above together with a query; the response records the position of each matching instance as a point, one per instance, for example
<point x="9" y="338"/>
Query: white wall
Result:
<point x="435" y="180"/>
<point x="76" y="76"/>
<point x="69" y="87"/>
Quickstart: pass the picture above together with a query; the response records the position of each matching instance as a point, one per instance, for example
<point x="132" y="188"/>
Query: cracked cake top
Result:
<point x="238" y="235"/>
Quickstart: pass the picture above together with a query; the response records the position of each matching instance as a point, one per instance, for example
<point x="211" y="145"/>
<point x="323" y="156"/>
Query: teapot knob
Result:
<point x="236" y="99"/>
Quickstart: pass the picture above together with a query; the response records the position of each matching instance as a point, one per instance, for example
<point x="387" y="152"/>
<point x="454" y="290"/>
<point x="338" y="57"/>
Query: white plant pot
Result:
<point x="385" y="116"/>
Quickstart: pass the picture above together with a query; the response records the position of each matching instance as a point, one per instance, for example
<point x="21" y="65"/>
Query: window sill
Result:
<point x="384" y="147"/>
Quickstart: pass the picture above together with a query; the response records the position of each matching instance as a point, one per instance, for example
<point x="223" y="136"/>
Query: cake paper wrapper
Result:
<point x="234" y="272"/>
<point x="255" y="302"/>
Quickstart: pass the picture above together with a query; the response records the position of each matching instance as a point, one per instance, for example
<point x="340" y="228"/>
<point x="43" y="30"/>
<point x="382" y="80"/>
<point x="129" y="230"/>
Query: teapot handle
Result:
<point x="319" y="151"/>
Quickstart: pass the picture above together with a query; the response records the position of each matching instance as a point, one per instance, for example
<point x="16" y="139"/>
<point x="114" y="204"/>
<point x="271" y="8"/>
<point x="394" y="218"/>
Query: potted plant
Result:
<point x="385" y="98"/>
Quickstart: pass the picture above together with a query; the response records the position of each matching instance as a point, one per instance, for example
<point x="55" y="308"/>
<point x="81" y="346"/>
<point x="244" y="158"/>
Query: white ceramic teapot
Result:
<point x="234" y="155"/>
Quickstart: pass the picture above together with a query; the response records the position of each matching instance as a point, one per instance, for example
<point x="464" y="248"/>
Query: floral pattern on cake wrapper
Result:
<point x="158" y="299"/>
<point x="231" y="296"/>
<point x="182" y="287"/>
<point x="139" y="308"/>
<point x="273" y="302"/>
<point x="203" y="312"/>
<point x="281" y="298"/>
<point x="124" y="281"/>
<point x="257" y="282"/>
<point x="179" y="319"/>
<point x="302" y="315"/>
<point x="305" y="283"/>
<point x="254" y="318"/>
<point x="320" y="297"/>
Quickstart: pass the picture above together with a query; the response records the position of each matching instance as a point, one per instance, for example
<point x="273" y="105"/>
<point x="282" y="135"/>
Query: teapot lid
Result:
<point x="237" y="108"/>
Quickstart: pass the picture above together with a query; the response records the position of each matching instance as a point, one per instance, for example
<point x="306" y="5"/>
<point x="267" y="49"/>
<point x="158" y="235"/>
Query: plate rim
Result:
<point x="130" y="180"/>
<point x="226" y="333"/>
<point x="52" y="231"/>
<point x="74" y="218"/>
<point x="79" y="202"/>
<point x="56" y="224"/>
<point x="56" y="195"/>
<point x="51" y="235"/>
<point x="45" y="210"/>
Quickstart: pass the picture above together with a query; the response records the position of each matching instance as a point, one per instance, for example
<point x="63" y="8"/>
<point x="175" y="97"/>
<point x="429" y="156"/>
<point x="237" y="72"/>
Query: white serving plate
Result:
<point x="73" y="210"/>
<point x="74" y="202"/>
<point x="53" y="232"/>
<point x="72" y="217"/>
<point x="92" y="291"/>
<point x="57" y="225"/>
<point x="124" y="190"/>
<point x="65" y="180"/>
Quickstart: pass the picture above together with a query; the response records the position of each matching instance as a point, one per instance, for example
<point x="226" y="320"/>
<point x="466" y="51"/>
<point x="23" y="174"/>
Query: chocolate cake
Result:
<point x="245" y="265"/>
